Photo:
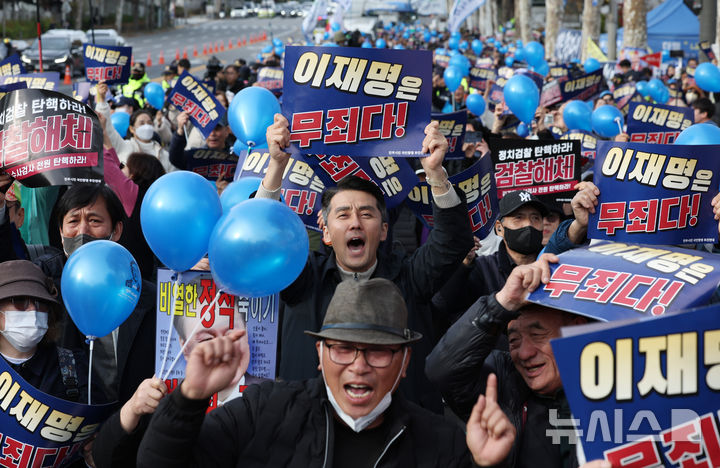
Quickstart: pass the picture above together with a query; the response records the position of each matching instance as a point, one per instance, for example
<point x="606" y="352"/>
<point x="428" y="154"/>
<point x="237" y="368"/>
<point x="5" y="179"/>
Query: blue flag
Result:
<point x="358" y="102"/>
<point x="655" y="194"/>
<point x="657" y="123"/>
<point x="643" y="394"/>
<point x="110" y="64"/>
<point x="191" y="96"/>
<point x="12" y="66"/>
<point x="452" y="126"/>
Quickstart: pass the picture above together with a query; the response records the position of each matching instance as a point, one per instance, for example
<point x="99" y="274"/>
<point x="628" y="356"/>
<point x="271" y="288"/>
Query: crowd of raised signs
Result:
<point x="581" y="186"/>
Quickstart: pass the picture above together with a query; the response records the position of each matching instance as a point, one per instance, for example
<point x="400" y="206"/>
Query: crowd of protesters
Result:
<point x="386" y="333"/>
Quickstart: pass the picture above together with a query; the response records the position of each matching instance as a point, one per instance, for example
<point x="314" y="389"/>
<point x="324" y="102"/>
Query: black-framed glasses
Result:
<point x="27" y="302"/>
<point x="345" y="354"/>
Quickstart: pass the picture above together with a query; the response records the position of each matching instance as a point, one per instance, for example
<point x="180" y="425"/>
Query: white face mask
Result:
<point x="362" y="422"/>
<point x="145" y="132"/>
<point x="24" y="329"/>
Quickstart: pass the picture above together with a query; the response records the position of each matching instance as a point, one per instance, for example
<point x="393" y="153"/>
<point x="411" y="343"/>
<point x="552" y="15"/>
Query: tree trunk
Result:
<point x="522" y="18"/>
<point x="487" y="22"/>
<point x="553" y="13"/>
<point x="136" y="15"/>
<point x="119" y="15"/>
<point x="506" y="11"/>
<point x="635" y="24"/>
<point x="589" y="25"/>
<point x="79" y="13"/>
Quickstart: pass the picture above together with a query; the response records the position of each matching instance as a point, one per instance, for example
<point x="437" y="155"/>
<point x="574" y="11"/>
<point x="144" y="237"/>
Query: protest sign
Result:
<point x="496" y="95"/>
<point x="655" y="194"/>
<point x="11" y="87"/>
<point x="550" y="93"/>
<point x="271" y="78"/>
<point x="301" y="188"/>
<point x="49" y="138"/>
<point x="441" y="60"/>
<point x="110" y="64"/>
<point x="706" y="47"/>
<point x="478" y="184"/>
<point x="358" y="102"/>
<point x="211" y="163"/>
<point x="194" y="294"/>
<point x="452" y="126"/>
<point x="615" y="281"/>
<point x="624" y="94"/>
<point x="657" y="123"/>
<point x="568" y="46"/>
<point x="588" y="142"/>
<point x="395" y="177"/>
<point x="81" y="91"/>
<point x="47" y="80"/>
<point x="541" y="167"/>
<point x="479" y="77"/>
<point x="583" y="87"/>
<point x="560" y="72"/>
<point x="41" y="430"/>
<point x="191" y="96"/>
<point x="643" y="394"/>
<point x="12" y="66"/>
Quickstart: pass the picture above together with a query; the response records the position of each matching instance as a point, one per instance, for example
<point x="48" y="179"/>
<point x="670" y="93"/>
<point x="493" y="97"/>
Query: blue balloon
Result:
<point x="461" y="62"/>
<point x="453" y="43"/>
<point x="662" y="95"/>
<point x="654" y="86"/>
<point x="477" y="46"/>
<point x="578" y="116"/>
<point x="326" y="36"/>
<point x="455" y="35"/>
<point x="101" y="285"/>
<point x="277" y="42"/>
<point x="519" y="55"/>
<point x="707" y="77"/>
<point x="643" y="88"/>
<point x="177" y="215"/>
<point x="463" y="45"/>
<point x="380" y="43"/>
<point x="665" y="55"/>
<point x="543" y="69"/>
<point x="453" y="77"/>
<point x="259" y="57"/>
<point x="522" y="130"/>
<point x="509" y="61"/>
<point x="427" y="36"/>
<point x="698" y="134"/>
<point x="155" y="95"/>
<point x="440" y="51"/>
<point x="279" y="50"/>
<point x="251" y="112"/>
<point x="366" y="44"/>
<point x="335" y="26"/>
<point x="475" y="104"/>
<point x="607" y="121"/>
<point x="454" y="52"/>
<point x="121" y="121"/>
<point x="522" y="97"/>
<point x="503" y="50"/>
<point x="406" y="35"/>
<point x="534" y="53"/>
<point x="433" y="33"/>
<point x="238" y="191"/>
<point x="258" y="249"/>
<point x="447" y="108"/>
<point x="591" y="64"/>
<point x="398" y="47"/>
<point x="267" y="49"/>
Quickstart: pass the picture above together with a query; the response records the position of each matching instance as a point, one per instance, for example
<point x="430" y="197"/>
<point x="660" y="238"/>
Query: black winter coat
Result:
<point x="288" y="424"/>
<point x="418" y="277"/>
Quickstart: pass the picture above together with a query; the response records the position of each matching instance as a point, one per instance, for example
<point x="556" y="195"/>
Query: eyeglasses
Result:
<point x="26" y="302"/>
<point x="345" y="354"/>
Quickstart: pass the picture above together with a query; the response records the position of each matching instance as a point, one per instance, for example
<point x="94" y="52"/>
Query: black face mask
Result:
<point x="526" y="240"/>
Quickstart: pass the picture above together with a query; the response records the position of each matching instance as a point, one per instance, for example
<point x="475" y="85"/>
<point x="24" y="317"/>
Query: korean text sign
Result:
<point x="655" y="194"/>
<point x="271" y="78"/>
<point x="657" y="123"/>
<point x="478" y="184"/>
<point x="39" y="429"/>
<point x="395" y="177"/>
<point x="301" y="188"/>
<point x="11" y="66"/>
<point x="194" y="293"/>
<point x="357" y="102"/>
<point x="110" y="64"/>
<point x="452" y="126"/>
<point x="614" y="281"/>
<point x="644" y="394"/>
<point x="191" y="96"/>
<point x="49" y="138"/>
<point x="542" y="167"/>
<point x="46" y="80"/>
<point x="211" y="164"/>
<point x="582" y="87"/>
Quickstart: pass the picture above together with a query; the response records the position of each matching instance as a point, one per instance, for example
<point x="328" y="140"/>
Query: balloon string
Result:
<point x="192" y="333"/>
<point x="617" y="121"/>
<point x="89" y="390"/>
<point x="170" y="321"/>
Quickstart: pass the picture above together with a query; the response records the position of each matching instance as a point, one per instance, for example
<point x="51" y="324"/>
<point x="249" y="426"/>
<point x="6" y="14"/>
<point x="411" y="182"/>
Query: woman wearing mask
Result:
<point x="141" y="132"/>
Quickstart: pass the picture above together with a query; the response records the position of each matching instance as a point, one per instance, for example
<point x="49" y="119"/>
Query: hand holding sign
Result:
<point x="212" y="366"/>
<point x="523" y="280"/>
<point x="583" y="203"/>
<point x="145" y="400"/>
<point x="278" y="138"/>
<point x="490" y="434"/>
<point x="436" y="144"/>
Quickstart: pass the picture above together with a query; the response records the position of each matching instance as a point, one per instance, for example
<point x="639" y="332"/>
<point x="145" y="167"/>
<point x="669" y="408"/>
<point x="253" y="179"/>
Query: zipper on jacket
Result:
<point x="402" y="429"/>
<point x="327" y="435"/>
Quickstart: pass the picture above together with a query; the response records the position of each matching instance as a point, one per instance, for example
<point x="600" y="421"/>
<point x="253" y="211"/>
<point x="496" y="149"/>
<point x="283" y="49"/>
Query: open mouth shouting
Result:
<point x="356" y="245"/>
<point x="358" y="393"/>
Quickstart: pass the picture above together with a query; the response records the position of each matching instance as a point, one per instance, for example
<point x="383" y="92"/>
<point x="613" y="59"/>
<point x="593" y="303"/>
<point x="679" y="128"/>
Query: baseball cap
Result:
<point x="517" y="199"/>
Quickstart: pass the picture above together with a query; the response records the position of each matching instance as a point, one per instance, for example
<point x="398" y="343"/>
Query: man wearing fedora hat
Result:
<point x="350" y="416"/>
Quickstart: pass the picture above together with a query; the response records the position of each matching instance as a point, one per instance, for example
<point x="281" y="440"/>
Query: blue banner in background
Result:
<point x="479" y="77"/>
<point x="271" y="78"/>
<point x="357" y="102"/>
<point x="12" y="66"/>
<point x="395" y="177"/>
<point x="655" y="194"/>
<point x="301" y="188"/>
<point x="46" y="80"/>
<point x="211" y="164"/>
<point x="478" y="184"/>
<point x="191" y="96"/>
<point x="39" y="429"/>
<point x="452" y="126"/>
<point x="657" y="123"/>
<point x="110" y="64"/>
<point x="610" y="281"/>
<point x="643" y="394"/>
<point x="583" y="87"/>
